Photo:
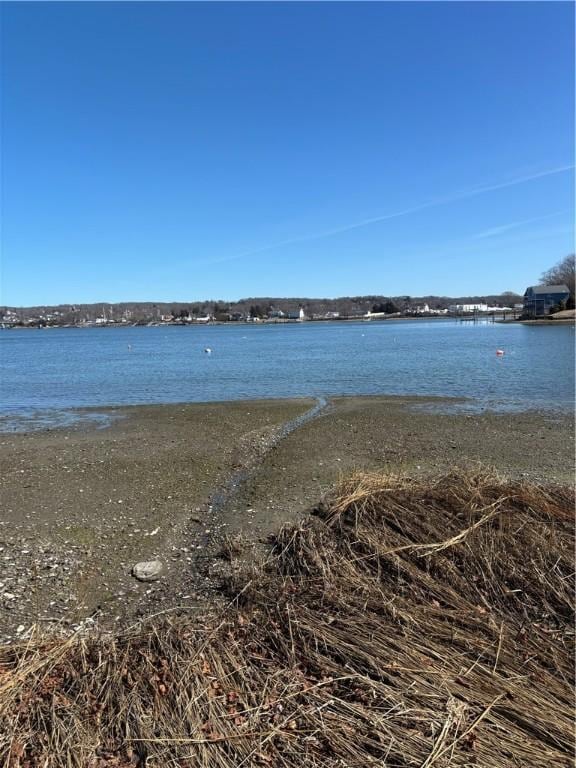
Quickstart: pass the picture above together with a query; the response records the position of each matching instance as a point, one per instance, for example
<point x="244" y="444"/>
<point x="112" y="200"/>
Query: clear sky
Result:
<point x="184" y="151"/>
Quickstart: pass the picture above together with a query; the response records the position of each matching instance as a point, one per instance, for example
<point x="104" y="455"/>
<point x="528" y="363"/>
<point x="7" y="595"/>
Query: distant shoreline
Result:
<point x="544" y="321"/>
<point x="233" y="323"/>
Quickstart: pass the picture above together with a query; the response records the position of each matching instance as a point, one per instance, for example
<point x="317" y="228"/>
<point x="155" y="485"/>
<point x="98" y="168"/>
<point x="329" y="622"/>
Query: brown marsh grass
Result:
<point x="407" y="623"/>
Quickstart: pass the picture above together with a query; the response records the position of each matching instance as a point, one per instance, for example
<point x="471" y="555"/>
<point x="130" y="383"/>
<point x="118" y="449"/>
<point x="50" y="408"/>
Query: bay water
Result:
<point x="45" y="374"/>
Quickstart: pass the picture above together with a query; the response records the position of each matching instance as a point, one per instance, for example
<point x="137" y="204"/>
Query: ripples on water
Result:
<point x="45" y="373"/>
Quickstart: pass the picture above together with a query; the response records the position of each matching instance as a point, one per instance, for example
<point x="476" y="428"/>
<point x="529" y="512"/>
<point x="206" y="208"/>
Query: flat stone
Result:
<point x="147" y="570"/>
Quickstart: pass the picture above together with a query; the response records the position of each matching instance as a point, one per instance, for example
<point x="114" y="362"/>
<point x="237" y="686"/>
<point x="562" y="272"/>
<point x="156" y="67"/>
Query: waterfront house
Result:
<point x="300" y="315"/>
<point x="542" y="299"/>
<point x="464" y="308"/>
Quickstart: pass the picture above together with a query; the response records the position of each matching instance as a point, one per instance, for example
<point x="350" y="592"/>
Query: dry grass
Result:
<point x="232" y="546"/>
<point x="408" y="624"/>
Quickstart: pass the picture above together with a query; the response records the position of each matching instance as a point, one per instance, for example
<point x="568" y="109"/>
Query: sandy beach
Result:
<point x="82" y="505"/>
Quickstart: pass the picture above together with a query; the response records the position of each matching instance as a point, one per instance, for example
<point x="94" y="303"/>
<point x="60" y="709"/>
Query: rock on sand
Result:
<point x="147" y="570"/>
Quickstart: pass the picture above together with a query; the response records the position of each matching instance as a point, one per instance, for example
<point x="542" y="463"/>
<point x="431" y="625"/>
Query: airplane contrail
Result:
<point x="464" y="195"/>
<point x="513" y="225"/>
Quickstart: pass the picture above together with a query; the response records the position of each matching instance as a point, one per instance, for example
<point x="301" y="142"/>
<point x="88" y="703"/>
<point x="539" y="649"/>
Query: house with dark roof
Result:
<point x="542" y="299"/>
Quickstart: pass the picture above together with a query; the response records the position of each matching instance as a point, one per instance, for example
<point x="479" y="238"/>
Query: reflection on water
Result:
<point x="44" y="374"/>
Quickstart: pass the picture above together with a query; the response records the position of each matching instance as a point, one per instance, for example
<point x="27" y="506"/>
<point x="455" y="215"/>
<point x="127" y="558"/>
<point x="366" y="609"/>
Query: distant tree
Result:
<point x="256" y="311"/>
<point x="390" y="308"/>
<point x="562" y="273"/>
<point x="387" y="307"/>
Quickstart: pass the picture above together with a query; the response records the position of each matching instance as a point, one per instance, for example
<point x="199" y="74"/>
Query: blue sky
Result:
<point x="183" y="151"/>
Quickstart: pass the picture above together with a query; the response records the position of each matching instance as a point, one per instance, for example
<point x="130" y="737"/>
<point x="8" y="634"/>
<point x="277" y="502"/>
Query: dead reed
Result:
<point x="407" y="624"/>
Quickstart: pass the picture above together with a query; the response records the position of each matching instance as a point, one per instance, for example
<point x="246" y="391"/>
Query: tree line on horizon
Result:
<point x="345" y="306"/>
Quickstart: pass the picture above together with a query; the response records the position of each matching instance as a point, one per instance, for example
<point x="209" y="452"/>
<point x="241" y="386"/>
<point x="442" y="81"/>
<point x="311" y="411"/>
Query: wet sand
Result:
<point x="81" y="506"/>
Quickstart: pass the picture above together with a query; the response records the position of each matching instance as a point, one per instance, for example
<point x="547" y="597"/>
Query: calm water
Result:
<point x="44" y="373"/>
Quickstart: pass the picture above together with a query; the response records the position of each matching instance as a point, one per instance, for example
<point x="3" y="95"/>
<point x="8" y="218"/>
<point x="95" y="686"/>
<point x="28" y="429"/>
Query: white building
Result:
<point x="468" y="308"/>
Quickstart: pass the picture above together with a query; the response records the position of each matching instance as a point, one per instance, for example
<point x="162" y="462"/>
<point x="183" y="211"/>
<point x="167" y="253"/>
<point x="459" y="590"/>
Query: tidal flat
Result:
<point x="82" y="505"/>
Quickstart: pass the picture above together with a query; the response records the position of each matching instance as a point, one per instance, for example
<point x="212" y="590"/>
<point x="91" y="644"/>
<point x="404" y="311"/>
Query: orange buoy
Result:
<point x="499" y="353"/>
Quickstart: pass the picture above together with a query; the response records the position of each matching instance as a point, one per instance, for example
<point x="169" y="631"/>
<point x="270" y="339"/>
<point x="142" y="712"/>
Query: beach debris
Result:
<point x="148" y="570"/>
